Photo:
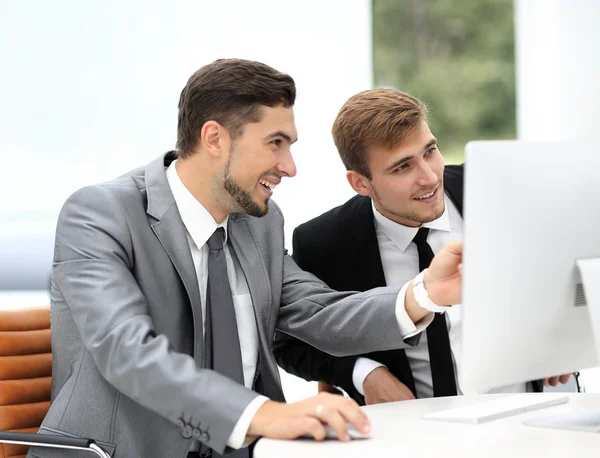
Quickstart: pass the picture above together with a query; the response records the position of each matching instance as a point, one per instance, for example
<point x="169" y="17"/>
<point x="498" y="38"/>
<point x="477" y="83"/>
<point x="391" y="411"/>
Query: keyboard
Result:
<point x="493" y="409"/>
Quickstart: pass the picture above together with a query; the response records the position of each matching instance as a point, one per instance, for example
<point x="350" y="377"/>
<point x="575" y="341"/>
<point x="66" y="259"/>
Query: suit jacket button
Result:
<point x="204" y="437"/>
<point x="196" y="434"/>
<point x="187" y="431"/>
<point x="180" y="423"/>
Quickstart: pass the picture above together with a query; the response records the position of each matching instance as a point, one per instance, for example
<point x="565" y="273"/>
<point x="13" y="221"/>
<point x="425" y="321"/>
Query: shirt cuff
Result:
<point x="362" y="368"/>
<point x="239" y="436"/>
<point x="407" y="327"/>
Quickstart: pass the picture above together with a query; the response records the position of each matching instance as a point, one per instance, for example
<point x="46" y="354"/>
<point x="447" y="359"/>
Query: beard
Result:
<point x="242" y="197"/>
<point x="410" y="216"/>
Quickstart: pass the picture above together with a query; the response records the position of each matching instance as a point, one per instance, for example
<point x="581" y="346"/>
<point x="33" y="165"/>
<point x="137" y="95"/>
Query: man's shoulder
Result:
<point x="455" y="167"/>
<point x="119" y="188"/>
<point x="454" y="183"/>
<point x="455" y="170"/>
<point x="122" y="191"/>
<point x="130" y="183"/>
<point x="338" y="223"/>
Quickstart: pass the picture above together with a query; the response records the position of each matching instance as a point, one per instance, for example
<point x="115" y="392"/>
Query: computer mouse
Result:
<point x="352" y="432"/>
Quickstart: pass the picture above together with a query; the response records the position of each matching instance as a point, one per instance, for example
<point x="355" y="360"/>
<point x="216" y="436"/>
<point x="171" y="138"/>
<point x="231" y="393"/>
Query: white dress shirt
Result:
<point x="400" y="260"/>
<point x="200" y="225"/>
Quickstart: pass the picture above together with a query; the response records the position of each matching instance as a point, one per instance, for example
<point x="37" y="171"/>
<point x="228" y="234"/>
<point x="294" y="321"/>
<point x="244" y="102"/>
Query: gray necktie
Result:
<point x="221" y="324"/>
<point x="224" y="354"/>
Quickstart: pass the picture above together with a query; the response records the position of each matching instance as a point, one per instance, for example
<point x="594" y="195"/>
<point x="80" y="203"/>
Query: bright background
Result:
<point x="89" y="90"/>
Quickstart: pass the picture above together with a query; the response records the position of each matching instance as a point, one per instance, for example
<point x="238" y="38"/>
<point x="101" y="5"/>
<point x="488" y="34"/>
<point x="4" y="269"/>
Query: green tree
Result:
<point x="457" y="57"/>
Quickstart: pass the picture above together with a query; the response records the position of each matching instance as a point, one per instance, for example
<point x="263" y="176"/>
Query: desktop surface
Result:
<point x="400" y="430"/>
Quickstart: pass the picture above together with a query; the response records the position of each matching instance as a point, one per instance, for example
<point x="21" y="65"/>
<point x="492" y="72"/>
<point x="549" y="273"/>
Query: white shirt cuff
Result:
<point x="239" y="436"/>
<point x="407" y="327"/>
<point x="362" y="368"/>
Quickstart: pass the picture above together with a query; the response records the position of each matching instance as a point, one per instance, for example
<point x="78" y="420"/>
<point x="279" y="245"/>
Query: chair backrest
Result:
<point x="25" y="373"/>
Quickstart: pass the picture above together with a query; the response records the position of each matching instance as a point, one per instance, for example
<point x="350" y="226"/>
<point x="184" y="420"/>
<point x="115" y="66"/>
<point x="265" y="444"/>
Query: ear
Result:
<point x="214" y="138"/>
<point x="359" y="183"/>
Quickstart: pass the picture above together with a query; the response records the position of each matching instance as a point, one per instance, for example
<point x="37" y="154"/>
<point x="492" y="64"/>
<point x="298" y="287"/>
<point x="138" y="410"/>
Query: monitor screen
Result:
<point x="532" y="210"/>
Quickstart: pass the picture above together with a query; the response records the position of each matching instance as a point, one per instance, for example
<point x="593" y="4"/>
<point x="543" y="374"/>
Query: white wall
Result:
<point x="558" y="69"/>
<point x="558" y="78"/>
<point x="89" y="90"/>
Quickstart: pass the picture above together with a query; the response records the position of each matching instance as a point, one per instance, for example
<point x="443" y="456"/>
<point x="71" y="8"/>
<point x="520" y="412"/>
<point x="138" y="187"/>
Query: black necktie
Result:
<point x="440" y="355"/>
<point x="224" y="352"/>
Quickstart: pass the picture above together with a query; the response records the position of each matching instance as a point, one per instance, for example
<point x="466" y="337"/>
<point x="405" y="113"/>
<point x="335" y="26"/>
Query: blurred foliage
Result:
<point x="457" y="57"/>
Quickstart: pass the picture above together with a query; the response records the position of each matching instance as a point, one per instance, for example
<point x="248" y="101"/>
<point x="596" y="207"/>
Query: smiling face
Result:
<point x="258" y="159"/>
<point x="406" y="182"/>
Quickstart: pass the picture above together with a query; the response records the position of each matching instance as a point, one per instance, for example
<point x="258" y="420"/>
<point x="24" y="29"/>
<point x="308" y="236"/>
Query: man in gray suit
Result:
<point x="170" y="282"/>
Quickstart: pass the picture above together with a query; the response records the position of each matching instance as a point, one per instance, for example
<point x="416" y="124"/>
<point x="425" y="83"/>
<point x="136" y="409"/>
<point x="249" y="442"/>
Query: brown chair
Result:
<point x="321" y="386"/>
<point x="25" y="381"/>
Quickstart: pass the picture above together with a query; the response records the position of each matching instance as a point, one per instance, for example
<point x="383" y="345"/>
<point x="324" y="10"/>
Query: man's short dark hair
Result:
<point x="231" y="92"/>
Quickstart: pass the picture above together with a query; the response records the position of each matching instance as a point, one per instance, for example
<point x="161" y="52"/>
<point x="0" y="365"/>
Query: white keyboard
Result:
<point x="505" y="406"/>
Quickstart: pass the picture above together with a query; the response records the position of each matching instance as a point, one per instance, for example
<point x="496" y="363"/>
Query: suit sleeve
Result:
<point x="304" y="360"/>
<point x="92" y="273"/>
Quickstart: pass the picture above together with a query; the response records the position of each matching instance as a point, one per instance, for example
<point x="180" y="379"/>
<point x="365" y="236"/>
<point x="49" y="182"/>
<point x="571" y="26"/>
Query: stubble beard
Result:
<point x="241" y="197"/>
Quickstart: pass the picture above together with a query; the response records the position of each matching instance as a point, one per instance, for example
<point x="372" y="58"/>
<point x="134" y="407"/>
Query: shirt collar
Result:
<point x="403" y="235"/>
<point x="196" y="219"/>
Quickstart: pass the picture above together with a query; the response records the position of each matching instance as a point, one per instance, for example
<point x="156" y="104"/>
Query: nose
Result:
<point x="427" y="177"/>
<point x="287" y="166"/>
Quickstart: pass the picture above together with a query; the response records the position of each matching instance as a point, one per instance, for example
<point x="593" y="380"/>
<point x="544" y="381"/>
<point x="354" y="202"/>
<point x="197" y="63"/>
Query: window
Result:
<point x="458" y="58"/>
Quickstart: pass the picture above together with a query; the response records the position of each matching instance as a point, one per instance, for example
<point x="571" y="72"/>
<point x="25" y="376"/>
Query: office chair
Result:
<point x="25" y="383"/>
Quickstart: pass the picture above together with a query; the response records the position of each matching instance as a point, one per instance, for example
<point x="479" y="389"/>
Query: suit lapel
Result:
<point x="171" y="233"/>
<point x="255" y="272"/>
<point x="368" y="273"/>
<point x="266" y="379"/>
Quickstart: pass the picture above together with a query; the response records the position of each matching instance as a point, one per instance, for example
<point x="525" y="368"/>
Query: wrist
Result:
<point x="422" y="288"/>
<point x="427" y="280"/>
<point x="374" y="374"/>
<point x="363" y="367"/>
<point x="264" y="416"/>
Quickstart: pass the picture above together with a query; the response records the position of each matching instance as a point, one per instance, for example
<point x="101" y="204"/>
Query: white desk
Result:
<point x="399" y="430"/>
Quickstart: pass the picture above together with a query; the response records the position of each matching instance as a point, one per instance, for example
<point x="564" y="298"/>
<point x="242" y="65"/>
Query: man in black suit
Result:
<point x="408" y="206"/>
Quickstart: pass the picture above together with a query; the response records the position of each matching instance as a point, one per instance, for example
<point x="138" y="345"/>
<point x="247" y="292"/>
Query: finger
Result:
<point x="298" y="426"/>
<point x="333" y="418"/>
<point x="564" y="378"/>
<point x="546" y="382"/>
<point x="352" y="413"/>
<point x="313" y="427"/>
<point x="455" y="247"/>
<point x="553" y="381"/>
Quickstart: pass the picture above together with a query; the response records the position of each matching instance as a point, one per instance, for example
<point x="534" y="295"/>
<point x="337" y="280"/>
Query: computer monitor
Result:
<point x="532" y="211"/>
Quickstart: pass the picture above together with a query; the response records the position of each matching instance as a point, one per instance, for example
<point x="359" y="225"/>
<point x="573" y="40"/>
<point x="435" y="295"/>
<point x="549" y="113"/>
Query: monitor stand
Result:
<point x="580" y="418"/>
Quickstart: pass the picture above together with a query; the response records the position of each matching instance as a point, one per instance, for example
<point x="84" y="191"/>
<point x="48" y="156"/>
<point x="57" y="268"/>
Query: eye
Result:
<point x="277" y="142"/>
<point x="431" y="151"/>
<point x="402" y="168"/>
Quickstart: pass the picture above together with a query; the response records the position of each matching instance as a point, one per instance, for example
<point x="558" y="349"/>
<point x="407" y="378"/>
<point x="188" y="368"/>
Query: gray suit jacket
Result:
<point x="128" y="367"/>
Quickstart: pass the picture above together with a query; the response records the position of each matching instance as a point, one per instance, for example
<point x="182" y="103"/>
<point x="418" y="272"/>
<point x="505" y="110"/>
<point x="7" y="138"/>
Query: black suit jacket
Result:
<point x="340" y="247"/>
